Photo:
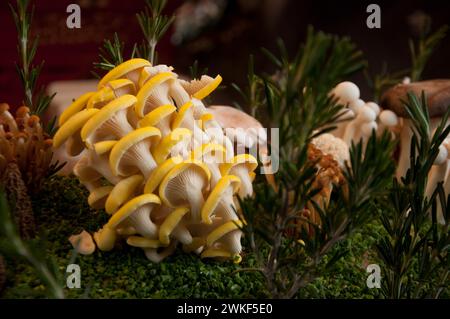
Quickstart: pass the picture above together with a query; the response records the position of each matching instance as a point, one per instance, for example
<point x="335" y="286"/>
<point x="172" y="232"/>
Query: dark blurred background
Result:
<point x="220" y="34"/>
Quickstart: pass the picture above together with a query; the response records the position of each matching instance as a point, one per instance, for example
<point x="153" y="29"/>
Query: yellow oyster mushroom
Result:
<point x="104" y="146"/>
<point x="77" y="105"/>
<point x="220" y="254"/>
<point x="161" y="118"/>
<point x="227" y="237"/>
<point x="212" y="155"/>
<point x="178" y="93"/>
<point x="70" y="131"/>
<point x="172" y="226"/>
<point x="220" y="201"/>
<point x="91" y="168"/>
<point x="142" y="242"/>
<point x="132" y="152"/>
<point x="241" y="166"/>
<point x="122" y="192"/>
<point x="97" y="197"/>
<point x="208" y="88"/>
<point x="137" y="214"/>
<point x="156" y="255"/>
<point x="165" y="147"/>
<point x="110" y="91"/>
<point x="184" y="185"/>
<point x="105" y="238"/>
<point x="110" y="122"/>
<point x="153" y="94"/>
<point x="185" y="118"/>
<point x="150" y="71"/>
<point x="129" y="69"/>
<point x="160" y="172"/>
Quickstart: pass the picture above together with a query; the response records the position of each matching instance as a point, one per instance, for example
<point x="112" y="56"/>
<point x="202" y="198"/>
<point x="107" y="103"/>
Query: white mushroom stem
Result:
<point x="178" y="93"/>
<point x="225" y="208"/>
<point x="117" y="125"/>
<point x="153" y="255"/>
<point x="164" y="126"/>
<point x="140" y="220"/>
<point x="100" y="163"/>
<point x="246" y="187"/>
<point x="198" y="107"/>
<point x="232" y="242"/>
<point x="405" y="144"/>
<point x="182" y="234"/>
<point x="139" y="156"/>
<point x="346" y="116"/>
<point x="438" y="173"/>
<point x="352" y="131"/>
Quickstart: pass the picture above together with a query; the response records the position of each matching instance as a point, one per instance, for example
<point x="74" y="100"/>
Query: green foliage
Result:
<point x="111" y="54"/>
<point x="32" y="251"/>
<point x="298" y="103"/>
<point x="39" y="101"/>
<point x="415" y="247"/>
<point x="420" y="51"/>
<point x="153" y="25"/>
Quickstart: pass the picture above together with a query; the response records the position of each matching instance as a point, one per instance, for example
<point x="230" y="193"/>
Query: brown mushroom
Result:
<point x="437" y="94"/>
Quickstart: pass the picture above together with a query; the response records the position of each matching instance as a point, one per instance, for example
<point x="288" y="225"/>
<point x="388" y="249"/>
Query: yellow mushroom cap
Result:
<point x="72" y="125"/>
<point x="222" y="230"/>
<point x="121" y="84"/>
<point x="142" y="242"/>
<point x="208" y="89"/>
<point x="182" y="112"/>
<point x="132" y="138"/>
<point x="162" y="150"/>
<point x="122" y="192"/>
<point x="220" y="253"/>
<point x="103" y="95"/>
<point x="75" y="107"/>
<point x="98" y="196"/>
<point x="170" y="223"/>
<point x="155" y="116"/>
<point x="104" y="146"/>
<point x="127" y="209"/>
<point x="104" y="114"/>
<point x="105" y="238"/>
<point x="216" y="194"/>
<point x="158" y="174"/>
<point x="206" y="117"/>
<point x="247" y="159"/>
<point x="148" y="88"/>
<point x="122" y="69"/>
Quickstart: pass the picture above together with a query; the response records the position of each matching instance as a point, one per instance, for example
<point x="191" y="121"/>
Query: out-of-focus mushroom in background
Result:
<point x="437" y="93"/>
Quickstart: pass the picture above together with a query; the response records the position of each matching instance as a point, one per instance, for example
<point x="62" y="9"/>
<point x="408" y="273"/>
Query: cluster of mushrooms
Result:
<point x="25" y="160"/>
<point x="363" y="117"/>
<point x="156" y="160"/>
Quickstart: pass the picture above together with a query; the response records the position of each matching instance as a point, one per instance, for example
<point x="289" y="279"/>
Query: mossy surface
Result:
<point x="61" y="210"/>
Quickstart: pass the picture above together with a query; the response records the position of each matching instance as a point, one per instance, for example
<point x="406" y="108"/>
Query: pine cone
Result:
<point x="16" y="192"/>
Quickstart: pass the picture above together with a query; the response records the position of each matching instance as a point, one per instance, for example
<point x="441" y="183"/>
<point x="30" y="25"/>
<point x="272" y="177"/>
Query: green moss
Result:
<point x="61" y="210"/>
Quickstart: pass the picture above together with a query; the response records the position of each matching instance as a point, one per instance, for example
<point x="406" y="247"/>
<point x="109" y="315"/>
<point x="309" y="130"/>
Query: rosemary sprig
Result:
<point x="153" y="25"/>
<point x="28" y="73"/>
<point x="415" y="246"/>
<point x="111" y="54"/>
<point x="421" y="52"/>
<point x="297" y="102"/>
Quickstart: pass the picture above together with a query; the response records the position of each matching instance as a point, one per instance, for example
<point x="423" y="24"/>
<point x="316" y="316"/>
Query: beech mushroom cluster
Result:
<point x="158" y="162"/>
<point x="360" y="116"/>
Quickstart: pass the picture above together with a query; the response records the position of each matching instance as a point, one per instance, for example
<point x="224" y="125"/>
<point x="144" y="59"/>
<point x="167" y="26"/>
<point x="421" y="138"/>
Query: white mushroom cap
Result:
<point x="389" y="118"/>
<point x="347" y="92"/>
